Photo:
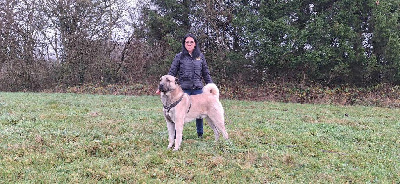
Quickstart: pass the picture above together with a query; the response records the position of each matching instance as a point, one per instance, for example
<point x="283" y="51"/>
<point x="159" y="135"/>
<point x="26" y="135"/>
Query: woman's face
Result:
<point x="189" y="44"/>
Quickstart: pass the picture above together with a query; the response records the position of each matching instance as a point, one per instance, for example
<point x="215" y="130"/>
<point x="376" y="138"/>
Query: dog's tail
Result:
<point x="211" y="88"/>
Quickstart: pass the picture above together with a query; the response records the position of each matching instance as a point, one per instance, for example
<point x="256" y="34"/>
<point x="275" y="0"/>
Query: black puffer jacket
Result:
<point x="191" y="71"/>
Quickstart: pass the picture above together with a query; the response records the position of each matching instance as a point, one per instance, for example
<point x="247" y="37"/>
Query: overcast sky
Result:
<point x="125" y="30"/>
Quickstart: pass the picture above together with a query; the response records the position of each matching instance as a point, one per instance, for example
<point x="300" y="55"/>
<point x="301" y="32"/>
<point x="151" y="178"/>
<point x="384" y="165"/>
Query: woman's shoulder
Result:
<point x="179" y="54"/>
<point x="201" y="55"/>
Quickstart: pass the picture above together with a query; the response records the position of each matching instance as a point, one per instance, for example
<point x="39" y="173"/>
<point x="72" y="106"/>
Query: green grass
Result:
<point x="70" y="138"/>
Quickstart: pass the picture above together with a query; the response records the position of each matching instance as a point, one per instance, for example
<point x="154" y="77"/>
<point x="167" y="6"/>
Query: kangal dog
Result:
<point x="180" y="108"/>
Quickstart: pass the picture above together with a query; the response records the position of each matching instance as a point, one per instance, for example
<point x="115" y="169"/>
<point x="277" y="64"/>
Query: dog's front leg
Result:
<point x="171" y="133"/>
<point x="179" y="131"/>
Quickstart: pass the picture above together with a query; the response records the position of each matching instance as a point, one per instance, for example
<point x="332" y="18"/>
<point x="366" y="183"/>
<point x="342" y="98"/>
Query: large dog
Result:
<point x="180" y="108"/>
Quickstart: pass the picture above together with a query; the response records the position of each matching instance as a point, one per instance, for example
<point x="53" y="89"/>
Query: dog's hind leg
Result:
<point x="219" y="122"/>
<point x="223" y="131"/>
<point x="212" y="125"/>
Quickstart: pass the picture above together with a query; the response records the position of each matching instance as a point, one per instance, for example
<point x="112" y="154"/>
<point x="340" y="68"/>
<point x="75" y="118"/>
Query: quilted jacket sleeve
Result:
<point x="205" y="71"/>
<point x="175" y="66"/>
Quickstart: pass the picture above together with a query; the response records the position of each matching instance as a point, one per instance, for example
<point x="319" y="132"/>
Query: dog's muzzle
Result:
<point x="161" y="88"/>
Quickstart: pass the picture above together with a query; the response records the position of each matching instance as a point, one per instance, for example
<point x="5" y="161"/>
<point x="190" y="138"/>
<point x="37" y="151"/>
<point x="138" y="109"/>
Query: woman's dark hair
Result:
<point x="196" y="51"/>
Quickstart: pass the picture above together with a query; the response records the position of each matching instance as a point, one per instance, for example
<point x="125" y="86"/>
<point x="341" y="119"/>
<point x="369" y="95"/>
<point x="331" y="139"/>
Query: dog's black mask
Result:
<point x="161" y="88"/>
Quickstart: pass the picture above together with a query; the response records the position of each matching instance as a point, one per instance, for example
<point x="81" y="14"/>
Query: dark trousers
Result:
<point x="199" y="122"/>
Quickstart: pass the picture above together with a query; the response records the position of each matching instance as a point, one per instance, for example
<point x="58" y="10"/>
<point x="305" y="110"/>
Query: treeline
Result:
<point x="48" y="43"/>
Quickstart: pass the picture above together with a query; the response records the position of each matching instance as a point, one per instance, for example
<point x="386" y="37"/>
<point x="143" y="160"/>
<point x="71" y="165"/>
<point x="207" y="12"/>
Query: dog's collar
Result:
<point x="168" y="108"/>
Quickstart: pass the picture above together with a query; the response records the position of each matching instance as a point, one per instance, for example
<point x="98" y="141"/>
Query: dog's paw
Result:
<point x="175" y="149"/>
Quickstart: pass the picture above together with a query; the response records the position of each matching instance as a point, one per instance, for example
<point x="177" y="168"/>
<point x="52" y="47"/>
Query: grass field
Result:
<point x="71" y="138"/>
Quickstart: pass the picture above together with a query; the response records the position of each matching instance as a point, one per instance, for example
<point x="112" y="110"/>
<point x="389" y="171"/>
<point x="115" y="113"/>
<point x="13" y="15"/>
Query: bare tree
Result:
<point x="81" y="37"/>
<point x="20" y="60"/>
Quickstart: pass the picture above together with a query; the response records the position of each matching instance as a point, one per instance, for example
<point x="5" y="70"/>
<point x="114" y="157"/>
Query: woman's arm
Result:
<point x="175" y="66"/>
<point x="205" y="71"/>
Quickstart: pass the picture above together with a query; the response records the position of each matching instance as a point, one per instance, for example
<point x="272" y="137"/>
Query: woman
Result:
<point x="191" y="66"/>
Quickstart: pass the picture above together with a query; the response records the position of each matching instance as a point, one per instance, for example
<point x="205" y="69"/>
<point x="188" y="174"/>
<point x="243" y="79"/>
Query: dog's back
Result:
<point x="211" y="88"/>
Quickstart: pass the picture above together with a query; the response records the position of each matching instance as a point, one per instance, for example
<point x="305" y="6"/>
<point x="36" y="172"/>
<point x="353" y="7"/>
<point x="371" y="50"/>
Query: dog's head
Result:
<point x="167" y="83"/>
